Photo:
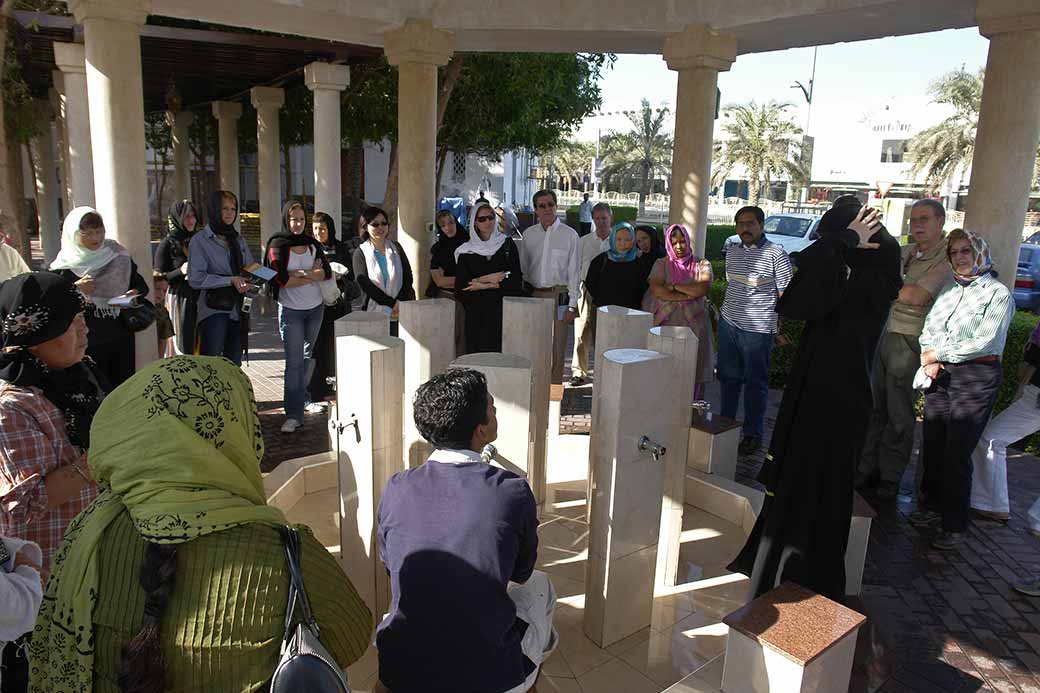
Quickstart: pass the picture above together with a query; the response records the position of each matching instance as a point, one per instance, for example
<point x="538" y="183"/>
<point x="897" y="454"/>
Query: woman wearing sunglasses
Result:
<point x="487" y="268"/>
<point x="382" y="268"/>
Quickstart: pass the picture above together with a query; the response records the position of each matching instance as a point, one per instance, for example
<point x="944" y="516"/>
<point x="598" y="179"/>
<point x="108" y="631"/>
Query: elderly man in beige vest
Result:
<point x="890" y="440"/>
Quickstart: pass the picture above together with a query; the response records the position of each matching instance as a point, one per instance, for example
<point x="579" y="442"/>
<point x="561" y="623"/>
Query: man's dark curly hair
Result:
<point x="449" y="406"/>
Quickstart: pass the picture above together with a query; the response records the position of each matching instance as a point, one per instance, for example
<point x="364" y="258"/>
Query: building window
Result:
<point x="892" y="151"/>
<point x="458" y="167"/>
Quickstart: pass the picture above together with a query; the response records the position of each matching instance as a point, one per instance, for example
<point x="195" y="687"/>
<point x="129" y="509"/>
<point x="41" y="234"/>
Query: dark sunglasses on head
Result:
<point x="486" y="217"/>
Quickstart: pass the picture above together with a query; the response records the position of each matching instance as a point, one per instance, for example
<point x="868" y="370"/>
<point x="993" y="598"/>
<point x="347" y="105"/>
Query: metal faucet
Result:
<point x="656" y="450"/>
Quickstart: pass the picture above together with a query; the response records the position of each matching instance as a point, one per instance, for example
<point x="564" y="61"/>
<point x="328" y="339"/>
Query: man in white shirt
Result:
<point x="585" y="218"/>
<point x="550" y="256"/>
<point x="585" y="324"/>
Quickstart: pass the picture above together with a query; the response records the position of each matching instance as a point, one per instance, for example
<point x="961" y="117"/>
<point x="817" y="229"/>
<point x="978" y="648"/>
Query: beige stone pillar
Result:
<point x="267" y="101"/>
<point x="698" y="54"/>
<point x="369" y="453"/>
<point x="70" y="58"/>
<point x="179" y="123"/>
<point x="680" y="343"/>
<point x="227" y="114"/>
<point x="509" y="382"/>
<point x="363" y="323"/>
<point x="1009" y="126"/>
<point x="327" y="81"/>
<point x="417" y="49"/>
<point x="527" y="325"/>
<point x="61" y="153"/>
<point x="428" y="330"/>
<point x="44" y="171"/>
<point x="626" y="504"/>
<point x="112" y="35"/>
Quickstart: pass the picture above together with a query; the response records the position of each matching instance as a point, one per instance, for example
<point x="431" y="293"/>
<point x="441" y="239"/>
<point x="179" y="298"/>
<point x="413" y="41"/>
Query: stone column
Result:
<point x="626" y="505"/>
<point x="698" y="54"/>
<point x="112" y="34"/>
<point x="428" y="330"/>
<point x="61" y="153"/>
<point x="369" y="453"/>
<point x="364" y="324"/>
<point x="70" y="58"/>
<point x="509" y="382"/>
<point x="417" y="49"/>
<point x="179" y="123"/>
<point x="267" y="101"/>
<point x="681" y="343"/>
<point x="328" y="81"/>
<point x="1009" y="126"/>
<point x="227" y="114"/>
<point x="44" y="171"/>
<point x="527" y="325"/>
<point x="617" y="327"/>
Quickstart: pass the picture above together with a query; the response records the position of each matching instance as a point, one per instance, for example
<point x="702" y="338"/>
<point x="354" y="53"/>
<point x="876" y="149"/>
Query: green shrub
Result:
<point x="716" y="239"/>
<point x="621" y="213"/>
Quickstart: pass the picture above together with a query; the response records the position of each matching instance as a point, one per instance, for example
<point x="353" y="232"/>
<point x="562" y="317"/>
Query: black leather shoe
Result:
<point x="749" y="445"/>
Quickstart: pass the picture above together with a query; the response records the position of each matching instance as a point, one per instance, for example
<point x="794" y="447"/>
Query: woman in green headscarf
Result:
<point x="175" y="578"/>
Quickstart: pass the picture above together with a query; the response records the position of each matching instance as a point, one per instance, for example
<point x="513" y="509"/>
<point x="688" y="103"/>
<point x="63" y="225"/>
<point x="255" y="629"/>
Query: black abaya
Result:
<point x="484" y="308"/>
<point x="844" y="295"/>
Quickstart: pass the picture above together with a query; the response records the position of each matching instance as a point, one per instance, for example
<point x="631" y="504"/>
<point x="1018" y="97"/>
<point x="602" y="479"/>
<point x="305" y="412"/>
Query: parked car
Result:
<point x="1027" y="281"/>
<point x="792" y="232"/>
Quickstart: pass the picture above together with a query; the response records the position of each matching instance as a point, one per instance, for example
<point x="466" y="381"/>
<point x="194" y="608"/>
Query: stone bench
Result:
<point x="790" y="640"/>
<point x="713" y="444"/>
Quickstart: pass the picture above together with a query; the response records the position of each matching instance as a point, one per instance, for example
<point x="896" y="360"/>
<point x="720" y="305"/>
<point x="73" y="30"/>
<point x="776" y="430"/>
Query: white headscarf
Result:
<point x="110" y="278"/>
<point x="475" y="244"/>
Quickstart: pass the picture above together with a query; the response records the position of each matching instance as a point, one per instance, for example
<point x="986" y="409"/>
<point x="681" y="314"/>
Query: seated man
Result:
<point x="454" y="533"/>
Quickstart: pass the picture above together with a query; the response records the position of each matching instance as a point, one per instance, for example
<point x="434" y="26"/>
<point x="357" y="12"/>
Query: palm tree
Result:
<point x="763" y="139"/>
<point x="642" y="154"/>
<point x="944" y="151"/>
<point x="572" y="160"/>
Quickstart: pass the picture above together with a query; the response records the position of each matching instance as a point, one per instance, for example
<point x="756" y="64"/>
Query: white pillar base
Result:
<point x="754" y="668"/>
<point x="428" y="330"/>
<point x="364" y="324"/>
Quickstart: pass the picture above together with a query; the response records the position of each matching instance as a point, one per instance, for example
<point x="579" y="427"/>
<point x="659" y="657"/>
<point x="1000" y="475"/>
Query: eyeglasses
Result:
<point x="377" y="224"/>
<point x="485" y="217"/>
<point x="546" y="205"/>
<point x="960" y="251"/>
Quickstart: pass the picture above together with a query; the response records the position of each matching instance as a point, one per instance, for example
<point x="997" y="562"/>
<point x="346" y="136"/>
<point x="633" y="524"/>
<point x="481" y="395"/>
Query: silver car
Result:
<point x="792" y="232"/>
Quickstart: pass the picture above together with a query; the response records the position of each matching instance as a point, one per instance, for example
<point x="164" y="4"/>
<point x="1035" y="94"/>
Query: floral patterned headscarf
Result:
<point x="178" y="446"/>
<point x="982" y="260"/>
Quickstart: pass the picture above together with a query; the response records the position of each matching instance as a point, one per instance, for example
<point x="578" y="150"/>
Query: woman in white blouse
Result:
<point x="381" y="267"/>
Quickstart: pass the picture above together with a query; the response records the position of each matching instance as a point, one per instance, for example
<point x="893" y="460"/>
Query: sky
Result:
<point x="852" y="79"/>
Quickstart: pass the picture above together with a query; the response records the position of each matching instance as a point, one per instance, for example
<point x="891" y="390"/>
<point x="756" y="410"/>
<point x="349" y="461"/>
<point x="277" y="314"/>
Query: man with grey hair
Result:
<point x="592" y="244"/>
<point x="890" y="440"/>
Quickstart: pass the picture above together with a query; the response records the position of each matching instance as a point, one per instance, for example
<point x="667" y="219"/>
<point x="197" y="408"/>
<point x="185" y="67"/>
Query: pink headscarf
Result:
<point x="680" y="269"/>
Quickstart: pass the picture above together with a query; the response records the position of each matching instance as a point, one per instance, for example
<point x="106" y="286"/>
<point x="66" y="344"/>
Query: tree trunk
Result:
<point x="390" y="196"/>
<point x="754" y="186"/>
<point x="442" y="155"/>
<point x="642" y="190"/>
<point x="10" y="158"/>
<point x="288" y="173"/>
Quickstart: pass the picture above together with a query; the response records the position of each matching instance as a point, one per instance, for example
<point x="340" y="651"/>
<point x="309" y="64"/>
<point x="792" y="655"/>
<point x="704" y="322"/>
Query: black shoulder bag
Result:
<point x="305" y="664"/>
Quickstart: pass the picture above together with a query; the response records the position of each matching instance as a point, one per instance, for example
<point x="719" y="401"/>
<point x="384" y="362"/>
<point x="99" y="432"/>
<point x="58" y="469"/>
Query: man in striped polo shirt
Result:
<point x="757" y="272"/>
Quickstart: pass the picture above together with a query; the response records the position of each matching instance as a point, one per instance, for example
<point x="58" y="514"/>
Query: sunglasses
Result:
<point x="376" y="224"/>
<point x="485" y="217"/>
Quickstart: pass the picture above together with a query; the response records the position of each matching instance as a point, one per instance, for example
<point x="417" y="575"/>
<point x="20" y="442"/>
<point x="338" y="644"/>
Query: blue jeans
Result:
<point x="299" y="330"/>
<point x="221" y="336"/>
<point x="743" y="363"/>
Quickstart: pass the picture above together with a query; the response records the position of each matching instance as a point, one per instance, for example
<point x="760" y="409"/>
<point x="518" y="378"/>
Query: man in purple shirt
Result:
<point x="459" y="537"/>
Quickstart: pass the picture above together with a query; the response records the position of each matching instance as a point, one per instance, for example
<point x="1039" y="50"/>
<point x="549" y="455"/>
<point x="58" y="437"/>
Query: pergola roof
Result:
<point x="614" y="26"/>
<point x="205" y="65"/>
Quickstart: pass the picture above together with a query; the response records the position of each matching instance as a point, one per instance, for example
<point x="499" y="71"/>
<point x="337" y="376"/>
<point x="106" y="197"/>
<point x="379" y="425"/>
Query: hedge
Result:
<point x="1022" y="325"/>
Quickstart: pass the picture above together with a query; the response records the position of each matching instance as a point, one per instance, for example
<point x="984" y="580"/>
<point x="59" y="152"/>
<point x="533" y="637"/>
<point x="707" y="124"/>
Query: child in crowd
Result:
<point x="163" y="323"/>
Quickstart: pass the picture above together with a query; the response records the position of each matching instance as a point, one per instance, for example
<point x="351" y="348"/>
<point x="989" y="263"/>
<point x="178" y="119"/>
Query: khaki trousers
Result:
<point x="559" y="344"/>
<point x="584" y="331"/>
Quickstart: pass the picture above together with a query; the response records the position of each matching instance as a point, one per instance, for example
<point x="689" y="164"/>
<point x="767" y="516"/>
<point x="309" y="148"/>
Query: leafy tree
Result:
<point x="159" y="136"/>
<point x="571" y="159"/>
<point x="763" y="139"/>
<point x="945" y="150"/>
<point x="643" y="154"/>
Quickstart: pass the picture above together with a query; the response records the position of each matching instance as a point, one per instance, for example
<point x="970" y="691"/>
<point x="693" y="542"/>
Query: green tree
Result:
<point x="159" y="136"/>
<point x="643" y="154"/>
<point x="945" y="150"/>
<point x="765" y="141"/>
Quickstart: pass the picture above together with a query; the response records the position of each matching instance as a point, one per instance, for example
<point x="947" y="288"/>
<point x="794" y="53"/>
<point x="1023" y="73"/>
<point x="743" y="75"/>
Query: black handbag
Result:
<point x="140" y="316"/>
<point x="224" y="298"/>
<point x="305" y="664"/>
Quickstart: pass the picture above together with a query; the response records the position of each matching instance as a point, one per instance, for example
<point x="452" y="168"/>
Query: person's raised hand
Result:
<point x="866" y="225"/>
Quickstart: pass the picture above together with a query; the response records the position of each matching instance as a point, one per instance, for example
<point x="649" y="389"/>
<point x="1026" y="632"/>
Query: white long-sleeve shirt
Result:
<point x="552" y="258"/>
<point x="20" y="591"/>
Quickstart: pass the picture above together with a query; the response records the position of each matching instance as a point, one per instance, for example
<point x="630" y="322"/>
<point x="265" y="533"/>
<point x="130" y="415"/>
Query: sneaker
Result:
<point x="577" y="380"/>
<point x="315" y="408"/>
<point x="944" y="541"/>
<point x="923" y="519"/>
<point x="749" y="445"/>
<point x="886" y="490"/>
<point x="1030" y="587"/>
<point x="290" y="426"/>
